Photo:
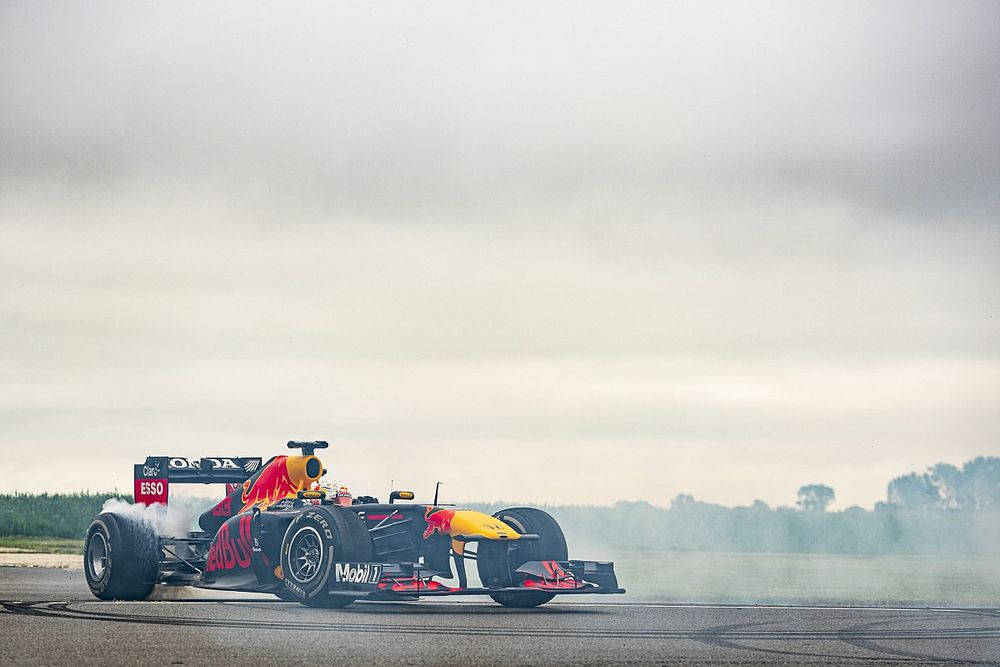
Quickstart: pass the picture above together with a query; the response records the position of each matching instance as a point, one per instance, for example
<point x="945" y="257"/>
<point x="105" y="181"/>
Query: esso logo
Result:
<point x="151" y="488"/>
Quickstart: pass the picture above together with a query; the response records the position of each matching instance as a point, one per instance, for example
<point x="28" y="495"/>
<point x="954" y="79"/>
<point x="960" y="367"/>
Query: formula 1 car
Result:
<point x="276" y="532"/>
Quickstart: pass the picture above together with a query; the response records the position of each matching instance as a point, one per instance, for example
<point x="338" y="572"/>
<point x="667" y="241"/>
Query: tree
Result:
<point x="815" y="497"/>
<point x="682" y="500"/>
<point x="914" y="492"/>
<point x="982" y="482"/>
<point x="944" y="486"/>
<point x="951" y="486"/>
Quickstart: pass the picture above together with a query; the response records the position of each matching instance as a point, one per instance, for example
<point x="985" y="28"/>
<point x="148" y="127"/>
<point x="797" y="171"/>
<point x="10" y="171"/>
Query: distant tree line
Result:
<point x="690" y="525"/>
<point x="51" y="515"/>
<point x="974" y="486"/>
<point x="946" y="510"/>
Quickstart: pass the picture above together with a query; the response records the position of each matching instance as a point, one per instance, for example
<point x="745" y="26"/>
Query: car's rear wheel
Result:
<point x="120" y="557"/>
<point x="497" y="561"/>
<point x="316" y="538"/>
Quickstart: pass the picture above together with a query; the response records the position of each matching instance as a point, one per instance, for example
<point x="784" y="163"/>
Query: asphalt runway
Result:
<point x="48" y="616"/>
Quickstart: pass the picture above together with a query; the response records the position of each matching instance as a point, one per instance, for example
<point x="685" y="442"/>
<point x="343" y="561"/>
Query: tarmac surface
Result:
<point x="47" y="616"/>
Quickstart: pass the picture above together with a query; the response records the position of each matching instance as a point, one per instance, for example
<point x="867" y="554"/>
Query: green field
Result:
<point x="42" y="545"/>
<point x="750" y="578"/>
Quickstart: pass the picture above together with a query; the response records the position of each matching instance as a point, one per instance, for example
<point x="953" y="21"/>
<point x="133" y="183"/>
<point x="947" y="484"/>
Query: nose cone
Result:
<point x="469" y="522"/>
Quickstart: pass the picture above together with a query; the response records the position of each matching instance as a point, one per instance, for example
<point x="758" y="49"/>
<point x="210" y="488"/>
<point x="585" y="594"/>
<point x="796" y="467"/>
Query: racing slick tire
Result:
<point x="316" y="538"/>
<point x="120" y="557"/>
<point x="498" y="560"/>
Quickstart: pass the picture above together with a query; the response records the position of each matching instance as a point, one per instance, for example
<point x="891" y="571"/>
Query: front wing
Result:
<point x="415" y="579"/>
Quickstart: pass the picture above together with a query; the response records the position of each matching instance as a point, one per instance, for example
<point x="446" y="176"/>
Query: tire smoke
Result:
<point x="166" y="521"/>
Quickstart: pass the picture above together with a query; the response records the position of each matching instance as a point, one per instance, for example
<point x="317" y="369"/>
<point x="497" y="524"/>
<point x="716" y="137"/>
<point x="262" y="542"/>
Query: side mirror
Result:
<point x="400" y="495"/>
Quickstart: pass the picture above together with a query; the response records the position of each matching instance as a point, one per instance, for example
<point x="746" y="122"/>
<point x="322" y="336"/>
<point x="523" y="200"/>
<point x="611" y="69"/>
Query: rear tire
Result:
<point x="316" y="538"/>
<point x="497" y="560"/>
<point x="120" y="558"/>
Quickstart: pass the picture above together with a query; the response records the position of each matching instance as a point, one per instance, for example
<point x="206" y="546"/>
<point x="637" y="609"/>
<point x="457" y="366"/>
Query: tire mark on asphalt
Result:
<point x="722" y="633"/>
<point x="868" y="642"/>
<point x="730" y="644"/>
<point x="716" y="636"/>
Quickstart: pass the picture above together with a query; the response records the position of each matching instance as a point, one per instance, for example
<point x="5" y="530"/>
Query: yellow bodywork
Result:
<point x="461" y="525"/>
<point x="470" y="522"/>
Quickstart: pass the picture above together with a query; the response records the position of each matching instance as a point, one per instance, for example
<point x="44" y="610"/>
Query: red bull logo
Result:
<point x="438" y="521"/>
<point x="227" y="553"/>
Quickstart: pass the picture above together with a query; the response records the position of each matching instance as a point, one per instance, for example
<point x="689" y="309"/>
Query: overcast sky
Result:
<point x="550" y="252"/>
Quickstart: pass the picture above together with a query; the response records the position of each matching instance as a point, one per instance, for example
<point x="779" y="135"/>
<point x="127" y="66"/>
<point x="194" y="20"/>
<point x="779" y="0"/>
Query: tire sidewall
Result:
<point x="551" y="544"/>
<point x="100" y="587"/>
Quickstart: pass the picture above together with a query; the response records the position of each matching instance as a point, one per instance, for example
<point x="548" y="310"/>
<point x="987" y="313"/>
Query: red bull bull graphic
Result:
<point x="438" y="521"/>
<point x="466" y="522"/>
<point x="271" y="485"/>
<point x="282" y="478"/>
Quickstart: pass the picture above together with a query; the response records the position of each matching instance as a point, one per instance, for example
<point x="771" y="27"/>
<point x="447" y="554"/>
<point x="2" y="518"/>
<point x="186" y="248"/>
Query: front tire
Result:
<point x="497" y="561"/>
<point x="316" y="538"/>
<point x="120" y="558"/>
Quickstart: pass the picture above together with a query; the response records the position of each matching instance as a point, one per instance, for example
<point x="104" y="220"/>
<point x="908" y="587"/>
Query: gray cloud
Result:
<point x="444" y="107"/>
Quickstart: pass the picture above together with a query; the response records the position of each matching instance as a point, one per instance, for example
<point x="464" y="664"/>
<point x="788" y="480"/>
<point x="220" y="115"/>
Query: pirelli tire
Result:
<point x="497" y="561"/>
<point x="315" y="539"/>
<point x="120" y="557"/>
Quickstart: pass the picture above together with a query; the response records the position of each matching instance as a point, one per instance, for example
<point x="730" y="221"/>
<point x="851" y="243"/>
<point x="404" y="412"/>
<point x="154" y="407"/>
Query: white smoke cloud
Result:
<point x="167" y="521"/>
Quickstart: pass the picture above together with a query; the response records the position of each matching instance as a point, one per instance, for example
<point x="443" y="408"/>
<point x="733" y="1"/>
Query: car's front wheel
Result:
<point x="316" y="538"/>
<point x="497" y="561"/>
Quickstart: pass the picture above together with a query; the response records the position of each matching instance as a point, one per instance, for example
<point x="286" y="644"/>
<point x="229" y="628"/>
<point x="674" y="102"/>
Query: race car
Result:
<point x="276" y="531"/>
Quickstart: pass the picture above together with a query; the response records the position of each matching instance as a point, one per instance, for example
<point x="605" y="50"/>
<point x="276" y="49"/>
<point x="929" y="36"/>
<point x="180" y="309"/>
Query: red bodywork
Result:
<point x="555" y="577"/>
<point x="438" y="521"/>
<point x="224" y="508"/>
<point x="148" y="491"/>
<point x="229" y="552"/>
<point x="271" y="485"/>
<point x="411" y="585"/>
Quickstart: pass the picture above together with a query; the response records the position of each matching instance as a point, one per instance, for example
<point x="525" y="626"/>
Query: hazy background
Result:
<point x="568" y="253"/>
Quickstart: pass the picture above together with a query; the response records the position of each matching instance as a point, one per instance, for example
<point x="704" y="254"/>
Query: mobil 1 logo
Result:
<point x="357" y="573"/>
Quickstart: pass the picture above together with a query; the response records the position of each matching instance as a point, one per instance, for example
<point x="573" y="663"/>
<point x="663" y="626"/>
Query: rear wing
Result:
<point x="153" y="478"/>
